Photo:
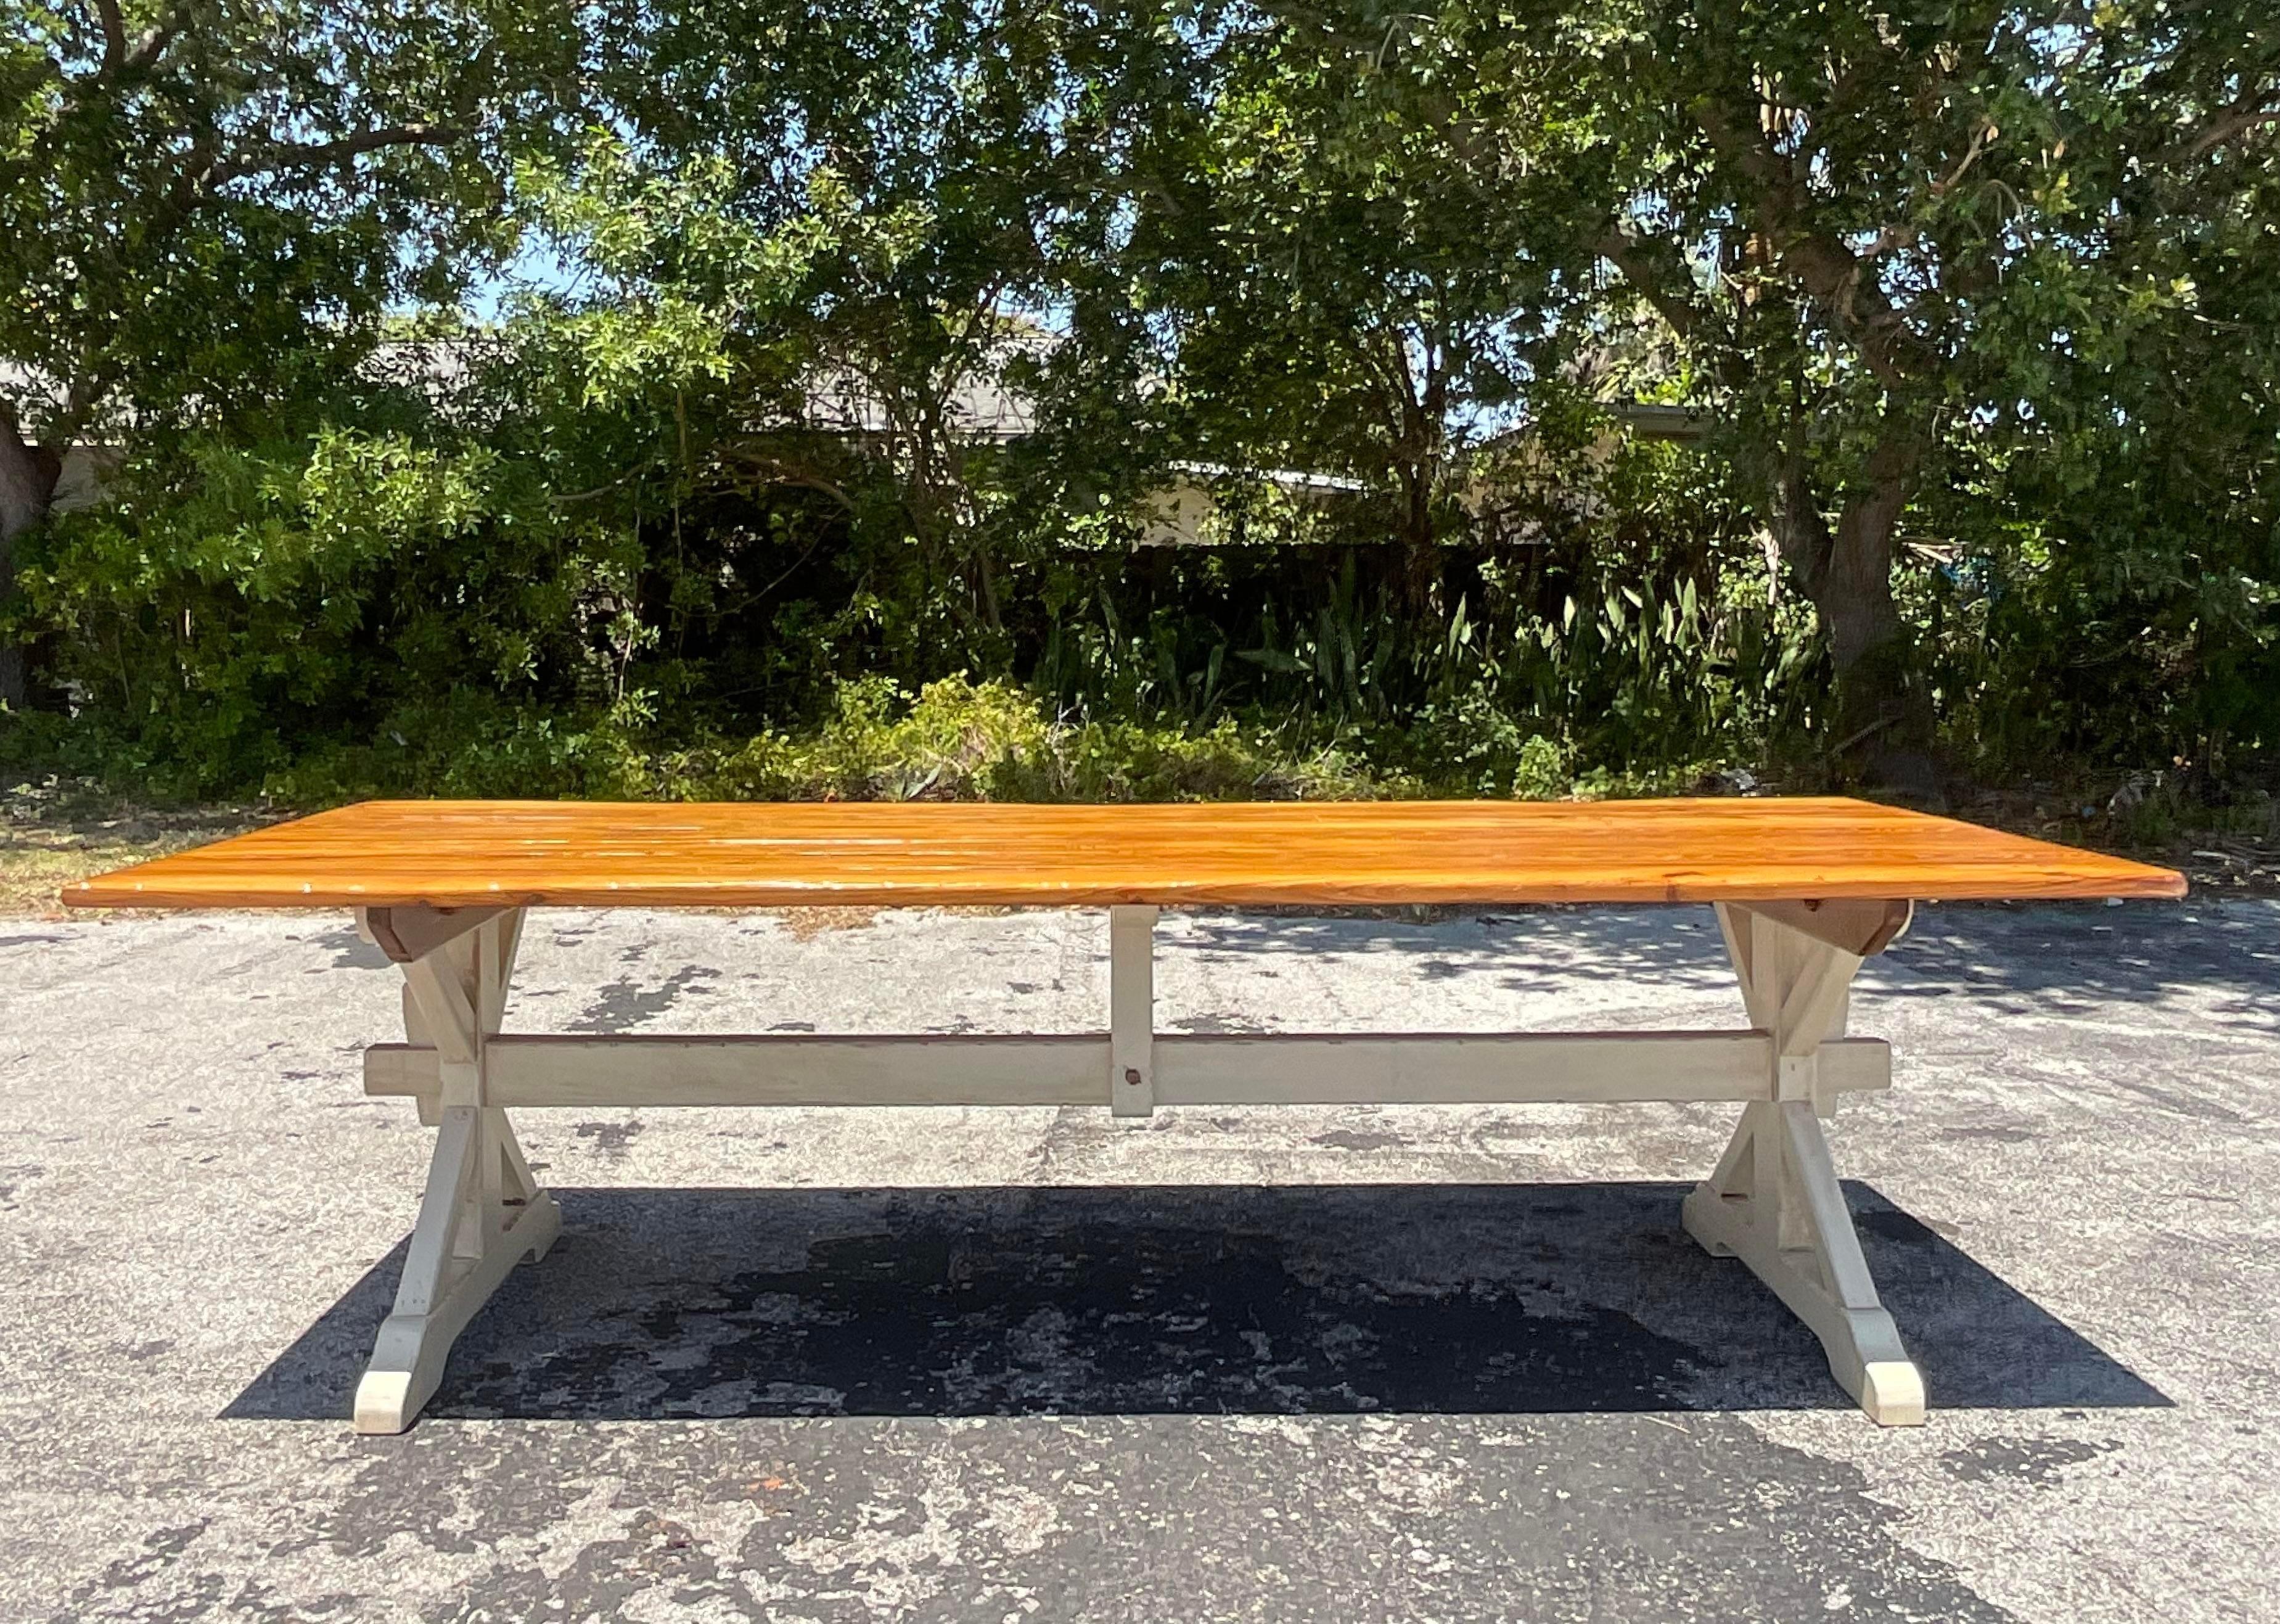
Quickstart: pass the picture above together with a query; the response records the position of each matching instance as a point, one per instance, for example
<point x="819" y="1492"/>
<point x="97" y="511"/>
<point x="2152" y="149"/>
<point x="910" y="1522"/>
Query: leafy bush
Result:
<point x="350" y="605"/>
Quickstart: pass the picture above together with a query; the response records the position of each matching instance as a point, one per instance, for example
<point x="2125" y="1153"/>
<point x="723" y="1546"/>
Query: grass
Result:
<point x="54" y="831"/>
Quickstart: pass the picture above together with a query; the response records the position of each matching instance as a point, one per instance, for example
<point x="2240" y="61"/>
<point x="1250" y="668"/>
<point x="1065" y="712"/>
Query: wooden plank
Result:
<point x="1193" y="1069"/>
<point x="1132" y="1010"/>
<point x="767" y="1070"/>
<point x="1494" y="1068"/>
<point x="1863" y="926"/>
<point x="407" y="934"/>
<point x="490" y="854"/>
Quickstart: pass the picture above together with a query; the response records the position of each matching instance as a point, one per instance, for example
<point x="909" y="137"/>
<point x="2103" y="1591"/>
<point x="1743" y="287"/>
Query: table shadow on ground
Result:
<point x="677" y="1304"/>
<point x="2049" y="958"/>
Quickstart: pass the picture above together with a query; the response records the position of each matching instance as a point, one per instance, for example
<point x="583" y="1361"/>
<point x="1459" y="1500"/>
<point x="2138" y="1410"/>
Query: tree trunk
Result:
<point x="1865" y="638"/>
<point x="1847" y="574"/>
<point x="1421" y="552"/>
<point x="27" y="485"/>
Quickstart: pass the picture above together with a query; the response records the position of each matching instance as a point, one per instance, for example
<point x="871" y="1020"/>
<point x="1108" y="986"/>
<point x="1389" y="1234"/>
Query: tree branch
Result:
<point x="1987" y="133"/>
<point x="316" y="154"/>
<point x="1624" y="253"/>
<point x="2258" y="107"/>
<point x="121" y="60"/>
<point x="114" y="36"/>
<point x="1800" y="531"/>
<point x="1820" y="263"/>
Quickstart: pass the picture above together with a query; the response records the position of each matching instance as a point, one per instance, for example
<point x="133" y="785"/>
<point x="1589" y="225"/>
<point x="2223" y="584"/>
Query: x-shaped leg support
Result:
<point x="482" y="1213"/>
<point x="1774" y="1201"/>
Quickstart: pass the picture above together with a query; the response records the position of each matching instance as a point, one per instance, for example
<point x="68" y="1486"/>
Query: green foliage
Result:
<point x="233" y="611"/>
<point x="363" y="614"/>
<point x="853" y="353"/>
<point x="206" y="208"/>
<point x="959" y="740"/>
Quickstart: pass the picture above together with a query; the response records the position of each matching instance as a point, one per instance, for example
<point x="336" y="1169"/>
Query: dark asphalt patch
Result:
<point x="625" y="1003"/>
<point x="1347" y="1139"/>
<point x="610" y="1138"/>
<point x="1205" y="1300"/>
<point x="2039" y="1461"/>
<point x="844" y="1519"/>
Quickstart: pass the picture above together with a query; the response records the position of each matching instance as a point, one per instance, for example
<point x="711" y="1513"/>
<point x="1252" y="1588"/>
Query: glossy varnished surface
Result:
<point x="454" y="853"/>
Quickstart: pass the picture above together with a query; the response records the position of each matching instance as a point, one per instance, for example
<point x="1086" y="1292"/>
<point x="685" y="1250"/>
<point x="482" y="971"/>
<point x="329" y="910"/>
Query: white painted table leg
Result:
<point x="1776" y="1204"/>
<point x="1774" y="1201"/>
<point x="482" y="1213"/>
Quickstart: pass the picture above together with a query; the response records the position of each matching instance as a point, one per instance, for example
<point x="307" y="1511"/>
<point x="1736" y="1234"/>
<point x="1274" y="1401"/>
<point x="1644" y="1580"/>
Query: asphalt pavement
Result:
<point x="1285" y="1364"/>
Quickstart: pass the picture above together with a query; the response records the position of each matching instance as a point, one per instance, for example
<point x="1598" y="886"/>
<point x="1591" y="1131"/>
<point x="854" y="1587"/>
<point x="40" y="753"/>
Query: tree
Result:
<point x="859" y="217"/>
<point x="204" y="203"/>
<point x="1854" y="220"/>
<point x="1337" y="293"/>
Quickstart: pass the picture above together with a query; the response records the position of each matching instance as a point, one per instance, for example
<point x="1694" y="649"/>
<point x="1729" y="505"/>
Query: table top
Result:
<point x="534" y="853"/>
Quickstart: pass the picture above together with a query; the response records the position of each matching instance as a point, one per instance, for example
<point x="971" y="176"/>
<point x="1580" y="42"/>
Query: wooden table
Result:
<point x="1805" y="890"/>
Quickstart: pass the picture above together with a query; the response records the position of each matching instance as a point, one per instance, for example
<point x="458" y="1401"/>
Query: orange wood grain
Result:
<point x="531" y="853"/>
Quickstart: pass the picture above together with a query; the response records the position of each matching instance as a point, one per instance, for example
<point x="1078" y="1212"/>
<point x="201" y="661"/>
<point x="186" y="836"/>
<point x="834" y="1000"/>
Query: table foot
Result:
<point x="1774" y="1204"/>
<point x="481" y="1214"/>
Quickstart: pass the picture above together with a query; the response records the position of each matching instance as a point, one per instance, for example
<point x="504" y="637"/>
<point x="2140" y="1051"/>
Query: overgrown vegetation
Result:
<point x="745" y="403"/>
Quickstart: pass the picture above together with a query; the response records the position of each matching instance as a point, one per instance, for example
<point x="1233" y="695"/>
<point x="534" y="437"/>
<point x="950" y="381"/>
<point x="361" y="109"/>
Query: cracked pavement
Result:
<point x="1358" y="1363"/>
